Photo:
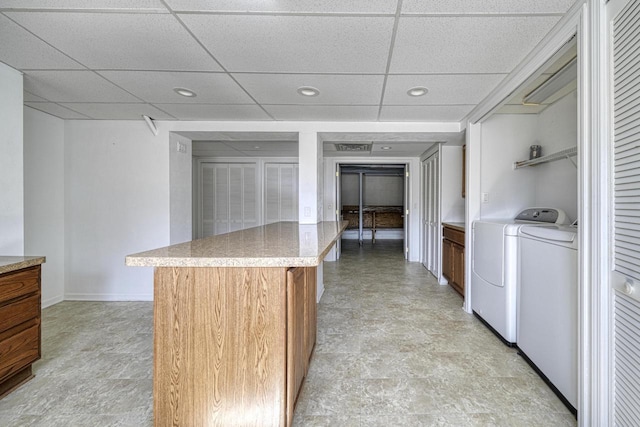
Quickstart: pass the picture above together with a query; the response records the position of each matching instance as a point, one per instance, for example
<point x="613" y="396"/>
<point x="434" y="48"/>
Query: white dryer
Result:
<point x="494" y="272"/>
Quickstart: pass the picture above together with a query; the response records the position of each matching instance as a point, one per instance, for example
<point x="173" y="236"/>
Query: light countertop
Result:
<point x="282" y="244"/>
<point x="455" y="225"/>
<point x="13" y="263"/>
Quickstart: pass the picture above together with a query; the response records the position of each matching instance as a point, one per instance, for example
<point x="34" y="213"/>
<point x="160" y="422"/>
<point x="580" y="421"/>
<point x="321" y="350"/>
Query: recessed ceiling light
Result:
<point x="184" y="92"/>
<point x="386" y="147"/>
<point x="417" y="91"/>
<point x="308" y="91"/>
<point x="256" y="147"/>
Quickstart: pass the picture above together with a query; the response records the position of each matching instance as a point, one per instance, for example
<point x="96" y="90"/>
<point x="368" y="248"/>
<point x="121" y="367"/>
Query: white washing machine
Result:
<point x="494" y="272"/>
<point x="548" y="306"/>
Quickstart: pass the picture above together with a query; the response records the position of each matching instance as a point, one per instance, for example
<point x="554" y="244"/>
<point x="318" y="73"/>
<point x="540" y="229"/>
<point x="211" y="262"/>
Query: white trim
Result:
<point x="594" y="405"/>
<point x="472" y="202"/>
<point x="550" y="44"/>
<point x="52" y="301"/>
<point x="107" y="297"/>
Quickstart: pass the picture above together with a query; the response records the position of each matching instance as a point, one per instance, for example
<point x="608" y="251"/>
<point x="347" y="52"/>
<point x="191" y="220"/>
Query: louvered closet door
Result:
<point x="229" y="197"/>
<point x="626" y="155"/>
<point x="281" y="192"/>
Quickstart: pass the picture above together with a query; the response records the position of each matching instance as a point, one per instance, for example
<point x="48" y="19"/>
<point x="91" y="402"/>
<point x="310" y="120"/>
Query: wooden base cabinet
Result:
<point x="231" y="344"/>
<point x="19" y="326"/>
<point x="453" y="257"/>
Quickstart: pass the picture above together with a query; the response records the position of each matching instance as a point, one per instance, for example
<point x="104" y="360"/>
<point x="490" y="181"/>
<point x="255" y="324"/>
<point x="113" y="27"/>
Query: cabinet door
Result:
<point x="296" y="352"/>
<point x="447" y="260"/>
<point x="458" y="267"/>
<point x="310" y="313"/>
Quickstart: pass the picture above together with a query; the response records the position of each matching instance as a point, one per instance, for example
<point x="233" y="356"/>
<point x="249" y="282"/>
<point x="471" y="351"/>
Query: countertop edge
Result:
<point x="264" y="262"/>
<point x="26" y="262"/>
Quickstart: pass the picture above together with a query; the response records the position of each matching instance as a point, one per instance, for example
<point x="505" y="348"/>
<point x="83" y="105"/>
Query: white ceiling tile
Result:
<point x="147" y="5"/>
<point x="334" y="89"/>
<point x="315" y="44"/>
<point x="120" y="41"/>
<point x="466" y="45"/>
<point x="214" y="112"/>
<point x="26" y="51"/>
<point x="484" y="6"/>
<point x="400" y="147"/>
<point x="239" y="136"/>
<point x="118" y="111"/>
<point x="157" y="86"/>
<point x="443" y="88"/>
<point x="264" y="146"/>
<point x="29" y="97"/>
<point x="424" y="113"/>
<point x="338" y="113"/>
<point x="55" y="110"/>
<point x="299" y="6"/>
<point x="74" y="86"/>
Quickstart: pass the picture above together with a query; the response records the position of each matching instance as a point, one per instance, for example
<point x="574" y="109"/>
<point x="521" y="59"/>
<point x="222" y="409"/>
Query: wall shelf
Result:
<point x="562" y="154"/>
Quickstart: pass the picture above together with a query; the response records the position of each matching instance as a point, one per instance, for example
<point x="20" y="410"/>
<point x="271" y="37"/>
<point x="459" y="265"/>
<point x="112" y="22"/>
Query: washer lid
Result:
<point x="549" y="215"/>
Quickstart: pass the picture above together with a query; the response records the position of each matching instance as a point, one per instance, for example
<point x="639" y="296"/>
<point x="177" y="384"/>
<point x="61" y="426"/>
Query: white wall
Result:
<point x="505" y="139"/>
<point x="44" y="199"/>
<point x="11" y="163"/>
<point x="181" y="181"/>
<point x="557" y="182"/>
<point x="451" y="200"/>
<point x="116" y="203"/>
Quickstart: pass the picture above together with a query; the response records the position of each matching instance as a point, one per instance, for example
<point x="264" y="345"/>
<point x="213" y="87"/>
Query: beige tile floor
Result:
<point x="394" y="349"/>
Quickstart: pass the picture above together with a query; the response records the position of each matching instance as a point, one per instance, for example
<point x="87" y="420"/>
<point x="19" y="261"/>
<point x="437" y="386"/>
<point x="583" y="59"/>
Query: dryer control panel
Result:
<point x="548" y="215"/>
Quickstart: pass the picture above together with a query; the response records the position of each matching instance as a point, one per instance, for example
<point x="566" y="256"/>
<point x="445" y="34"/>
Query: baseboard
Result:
<point x="107" y="297"/>
<point x="52" y="301"/>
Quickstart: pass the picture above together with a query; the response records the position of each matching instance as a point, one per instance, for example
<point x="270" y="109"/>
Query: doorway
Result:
<point x="374" y="199"/>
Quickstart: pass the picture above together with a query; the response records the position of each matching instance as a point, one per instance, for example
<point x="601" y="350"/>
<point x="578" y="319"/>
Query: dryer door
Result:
<point x="488" y="252"/>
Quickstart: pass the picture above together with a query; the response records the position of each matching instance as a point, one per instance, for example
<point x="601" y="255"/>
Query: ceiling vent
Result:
<point x="353" y="147"/>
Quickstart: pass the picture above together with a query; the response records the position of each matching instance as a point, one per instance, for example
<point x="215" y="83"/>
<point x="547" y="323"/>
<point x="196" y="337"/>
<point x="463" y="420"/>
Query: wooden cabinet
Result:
<point x="453" y="257"/>
<point x="19" y="326"/>
<point x="231" y="344"/>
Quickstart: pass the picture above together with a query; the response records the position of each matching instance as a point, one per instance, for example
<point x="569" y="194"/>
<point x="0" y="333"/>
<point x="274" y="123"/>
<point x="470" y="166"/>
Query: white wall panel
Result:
<point x="44" y="199"/>
<point x="11" y="163"/>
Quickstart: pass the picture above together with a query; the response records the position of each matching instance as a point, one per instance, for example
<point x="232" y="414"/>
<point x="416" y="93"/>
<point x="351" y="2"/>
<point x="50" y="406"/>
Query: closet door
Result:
<point x="229" y="197"/>
<point x="626" y="238"/>
<point x="281" y="192"/>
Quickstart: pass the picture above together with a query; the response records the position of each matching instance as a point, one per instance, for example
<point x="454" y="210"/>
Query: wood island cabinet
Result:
<point x="453" y="257"/>
<point x="19" y="326"/>
<point x="235" y="321"/>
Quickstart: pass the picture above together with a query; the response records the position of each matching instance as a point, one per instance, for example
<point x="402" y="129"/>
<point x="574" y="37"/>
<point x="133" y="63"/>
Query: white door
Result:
<point x="407" y="204"/>
<point x="431" y="221"/>
<point x="280" y="192"/>
<point x="625" y="25"/>
<point x="425" y="215"/>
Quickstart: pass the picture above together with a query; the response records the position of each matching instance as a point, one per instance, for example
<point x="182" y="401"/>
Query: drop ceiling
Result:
<point x="245" y="59"/>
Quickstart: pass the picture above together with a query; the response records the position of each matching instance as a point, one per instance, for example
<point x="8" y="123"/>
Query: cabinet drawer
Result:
<point x="19" y="350"/>
<point x="19" y="283"/>
<point x="19" y="311"/>
<point x="453" y="235"/>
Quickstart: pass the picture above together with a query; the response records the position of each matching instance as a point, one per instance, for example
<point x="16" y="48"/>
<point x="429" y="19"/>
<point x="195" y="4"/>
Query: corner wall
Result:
<point x="44" y="199"/>
<point x="11" y="163"/>
<point x="116" y="203"/>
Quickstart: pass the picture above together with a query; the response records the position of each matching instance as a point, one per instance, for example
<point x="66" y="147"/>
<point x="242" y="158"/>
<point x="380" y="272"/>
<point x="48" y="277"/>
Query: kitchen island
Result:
<point x="235" y="323"/>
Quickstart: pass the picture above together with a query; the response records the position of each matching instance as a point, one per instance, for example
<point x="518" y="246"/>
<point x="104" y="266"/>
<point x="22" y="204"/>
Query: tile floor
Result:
<point x="394" y="349"/>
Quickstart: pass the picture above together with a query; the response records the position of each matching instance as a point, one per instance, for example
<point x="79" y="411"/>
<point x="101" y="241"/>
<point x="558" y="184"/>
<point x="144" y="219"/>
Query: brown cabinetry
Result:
<point x="453" y="257"/>
<point x="231" y="343"/>
<point x="19" y="326"/>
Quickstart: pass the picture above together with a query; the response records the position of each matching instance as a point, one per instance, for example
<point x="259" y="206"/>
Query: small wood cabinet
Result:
<point x="453" y="257"/>
<point x="19" y="326"/>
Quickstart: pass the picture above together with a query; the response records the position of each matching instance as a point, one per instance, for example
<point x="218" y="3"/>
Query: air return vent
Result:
<point x="353" y="147"/>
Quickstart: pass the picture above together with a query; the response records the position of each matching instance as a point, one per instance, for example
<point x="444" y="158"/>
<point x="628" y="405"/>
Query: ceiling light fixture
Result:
<point x="308" y="91"/>
<point x="553" y="84"/>
<point x="386" y="147"/>
<point x="417" y="91"/>
<point x="184" y="92"/>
